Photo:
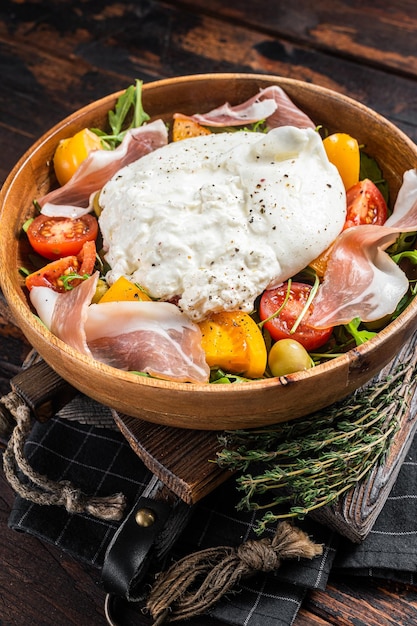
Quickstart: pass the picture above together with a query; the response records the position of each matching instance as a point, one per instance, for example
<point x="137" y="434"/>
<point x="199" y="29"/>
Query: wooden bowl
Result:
<point x="206" y="407"/>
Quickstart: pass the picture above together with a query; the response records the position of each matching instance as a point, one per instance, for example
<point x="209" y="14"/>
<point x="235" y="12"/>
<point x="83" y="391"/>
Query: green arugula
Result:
<point x="360" y="336"/>
<point x="403" y="243"/>
<point x="411" y="255"/>
<point x="68" y="278"/>
<point x="128" y="106"/>
<point x="369" y="168"/>
<point x="219" y="377"/>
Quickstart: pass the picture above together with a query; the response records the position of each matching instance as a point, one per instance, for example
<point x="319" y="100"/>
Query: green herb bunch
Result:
<point x="302" y="465"/>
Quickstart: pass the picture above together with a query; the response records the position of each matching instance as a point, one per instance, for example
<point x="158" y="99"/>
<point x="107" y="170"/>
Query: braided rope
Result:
<point x="40" y="489"/>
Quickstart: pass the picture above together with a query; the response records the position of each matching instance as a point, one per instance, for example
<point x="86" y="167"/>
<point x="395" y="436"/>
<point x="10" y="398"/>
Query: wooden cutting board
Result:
<point x="185" y="459"/>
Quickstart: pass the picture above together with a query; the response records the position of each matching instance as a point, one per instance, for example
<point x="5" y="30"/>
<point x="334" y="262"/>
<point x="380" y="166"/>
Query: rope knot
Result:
<point x="259" y="556"/>
<point x="196" y="582"/>
<point x="72" y="498"/>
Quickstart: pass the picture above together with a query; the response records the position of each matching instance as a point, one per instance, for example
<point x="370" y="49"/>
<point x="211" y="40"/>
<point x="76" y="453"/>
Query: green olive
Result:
<point x="288" y="356"/>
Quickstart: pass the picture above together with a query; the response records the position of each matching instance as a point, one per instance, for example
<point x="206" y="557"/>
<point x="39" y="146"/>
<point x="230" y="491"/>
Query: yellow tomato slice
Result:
<point x="184" y="128"/>
<point x="123" y="289"/>
<point x="319" y="265"/>
<point x="343" y="151"/>
<point x="71" y="152"/>
<point x="233" y="342"/>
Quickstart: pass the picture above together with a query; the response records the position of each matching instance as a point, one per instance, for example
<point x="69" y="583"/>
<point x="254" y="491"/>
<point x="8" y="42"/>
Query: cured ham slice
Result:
<point x="271" y="104"/>
<point x="73" y="198"/>
<point x="361" y="279"/>
<point x="65" y="314"/>
<point x="152" y="337"/>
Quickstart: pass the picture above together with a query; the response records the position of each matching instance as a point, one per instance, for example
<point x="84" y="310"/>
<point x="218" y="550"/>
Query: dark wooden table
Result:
<point x="56" y="57"/>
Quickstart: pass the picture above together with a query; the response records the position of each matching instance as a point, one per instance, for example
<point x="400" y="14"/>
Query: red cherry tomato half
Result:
<point x="280" y="326"/>
<point x="87" y="258"/>
<point x="56" y="237"/>
<point x="51" y="274"/>
<point x="365" y="205"/>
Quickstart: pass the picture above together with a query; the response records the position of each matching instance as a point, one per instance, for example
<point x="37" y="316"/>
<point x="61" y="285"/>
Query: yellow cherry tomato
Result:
<point x="233" y="342"/>
<point x="124" y="290"/>
<point x="319" y="264"/>
<point x="71" y="152"/>
<point x="287" y="356"/>
<point x="184" y="128"/>
<point x="343" y="151"/>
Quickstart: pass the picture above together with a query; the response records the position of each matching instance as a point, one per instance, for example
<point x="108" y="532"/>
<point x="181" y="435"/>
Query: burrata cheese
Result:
<point x="214" y="220"/>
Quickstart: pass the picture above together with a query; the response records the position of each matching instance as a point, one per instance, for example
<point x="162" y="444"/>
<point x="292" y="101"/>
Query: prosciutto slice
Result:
<point x="271" y="104"/>
<point x="152" y="337"/>
<point x="73" y="198"/>
<point x="361" y="279"/>
<point x="65" y="314"/>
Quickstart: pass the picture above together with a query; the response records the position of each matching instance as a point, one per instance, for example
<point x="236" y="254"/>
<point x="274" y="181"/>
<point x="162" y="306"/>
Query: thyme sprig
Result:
<point x="302" y="465"/>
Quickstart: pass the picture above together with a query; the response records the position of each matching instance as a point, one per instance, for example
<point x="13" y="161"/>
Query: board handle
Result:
<point x="43" y="390"/>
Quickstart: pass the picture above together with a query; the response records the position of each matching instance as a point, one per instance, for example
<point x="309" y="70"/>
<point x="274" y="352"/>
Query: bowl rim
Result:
<point x="22" y="309"/>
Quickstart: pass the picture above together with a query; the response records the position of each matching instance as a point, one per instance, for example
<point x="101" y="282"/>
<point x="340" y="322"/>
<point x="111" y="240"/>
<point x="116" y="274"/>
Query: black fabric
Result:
<point x="99" y="461"/>
<point x="96" y="460"/>
<point x="390" y="549"/>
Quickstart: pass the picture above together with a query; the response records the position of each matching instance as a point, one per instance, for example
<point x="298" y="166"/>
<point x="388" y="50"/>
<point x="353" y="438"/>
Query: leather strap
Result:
<point x="142" y="541"/>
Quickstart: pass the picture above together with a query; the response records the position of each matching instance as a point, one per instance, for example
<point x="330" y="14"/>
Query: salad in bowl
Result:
<point x="223" y="261"/>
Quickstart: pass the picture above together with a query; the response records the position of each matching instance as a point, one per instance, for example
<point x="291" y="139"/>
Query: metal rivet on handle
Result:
<point x="145" y="517"/>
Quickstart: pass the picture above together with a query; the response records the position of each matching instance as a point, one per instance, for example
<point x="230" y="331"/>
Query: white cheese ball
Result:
<point x="216" y="219"/>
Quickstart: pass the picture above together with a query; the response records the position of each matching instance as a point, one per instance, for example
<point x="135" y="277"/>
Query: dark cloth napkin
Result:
<point x="390" y="549"/>
<point x="99" y="461"/>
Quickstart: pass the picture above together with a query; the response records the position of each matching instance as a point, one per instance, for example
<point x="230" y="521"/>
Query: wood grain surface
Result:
<point x="56" y="57"/>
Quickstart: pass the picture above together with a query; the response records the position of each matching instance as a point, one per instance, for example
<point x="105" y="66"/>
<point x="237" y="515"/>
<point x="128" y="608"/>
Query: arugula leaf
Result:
<point x="411" y="255"/>
<point x="403" y="243"/>
<point x="360" y="336"/>
<point x="139" y="116"/>
<point x="369" y="168"/>
<point x="26" y="224"/>
<point x="219" y="377"/>
<point x="68" y="278"/>
<point x="122" y="108"/>
<point x="118" y="118"/>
